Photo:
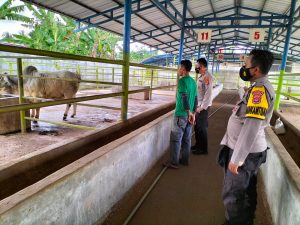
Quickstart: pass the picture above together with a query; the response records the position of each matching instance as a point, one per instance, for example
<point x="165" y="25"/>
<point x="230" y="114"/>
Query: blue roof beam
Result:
<point x="173" y="17"/>
<point x="278" y="33"/>
<point x="235" y="26"/>
<point x="205" y="21"/>
<point x="109" y="16"/>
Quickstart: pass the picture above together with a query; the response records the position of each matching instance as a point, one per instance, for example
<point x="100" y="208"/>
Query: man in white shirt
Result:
<point x="205" y="86"/>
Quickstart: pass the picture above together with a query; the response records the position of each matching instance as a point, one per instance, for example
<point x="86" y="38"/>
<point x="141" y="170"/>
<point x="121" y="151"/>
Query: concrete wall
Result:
<point x="83" y="192"/>
<point x="281" y="177"/>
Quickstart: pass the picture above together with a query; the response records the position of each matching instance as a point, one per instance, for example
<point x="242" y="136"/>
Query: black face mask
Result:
<point x="197" y="70"/>
<point x="245" y="74"/>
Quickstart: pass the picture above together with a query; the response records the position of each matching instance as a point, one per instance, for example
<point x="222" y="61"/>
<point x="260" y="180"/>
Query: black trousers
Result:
<point x="201" y="130"/>
<point x="239" y="191"/>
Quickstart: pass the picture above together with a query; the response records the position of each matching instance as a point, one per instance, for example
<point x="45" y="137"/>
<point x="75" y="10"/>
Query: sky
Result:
<point x="13" y="27"/>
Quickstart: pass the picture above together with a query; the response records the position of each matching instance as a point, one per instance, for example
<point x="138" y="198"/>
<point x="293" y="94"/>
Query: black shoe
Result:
<point x="197" y="152"/>
<point x="194" y="147"/>
<point x="183" y="162"/>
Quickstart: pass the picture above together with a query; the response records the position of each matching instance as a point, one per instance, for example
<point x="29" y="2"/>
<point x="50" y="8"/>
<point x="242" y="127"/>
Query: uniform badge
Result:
<point x="206" y="80"/>
<point x="257" y="96"/>
<point x="257" y="104"/>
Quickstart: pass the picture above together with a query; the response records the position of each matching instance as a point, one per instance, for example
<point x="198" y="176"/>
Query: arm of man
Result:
<point x="244" y="143"/>
<point x="257" y="106"/>
<point x="208" y="93"/>
<point x="191" y="117"/>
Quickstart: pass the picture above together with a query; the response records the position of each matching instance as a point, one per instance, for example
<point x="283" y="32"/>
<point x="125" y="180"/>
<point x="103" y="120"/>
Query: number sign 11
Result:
<point x="204" y="35"/>
<point x="256" y="35"/>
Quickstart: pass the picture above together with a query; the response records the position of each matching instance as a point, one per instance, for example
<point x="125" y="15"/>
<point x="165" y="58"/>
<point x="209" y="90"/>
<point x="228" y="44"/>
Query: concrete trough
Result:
<point x="10" y="122"/>
<point x="281" y="177"/>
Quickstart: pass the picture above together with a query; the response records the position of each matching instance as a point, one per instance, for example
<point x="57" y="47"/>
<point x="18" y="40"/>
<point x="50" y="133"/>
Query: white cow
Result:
<point x="44" y="88"/>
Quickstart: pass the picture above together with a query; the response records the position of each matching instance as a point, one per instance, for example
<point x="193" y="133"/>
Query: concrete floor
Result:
<point x="189" y="195"/>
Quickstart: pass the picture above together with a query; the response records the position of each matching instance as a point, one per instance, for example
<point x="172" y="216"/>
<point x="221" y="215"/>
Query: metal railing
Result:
<point x="144" y="78"/>
<point x="290" y="85"/>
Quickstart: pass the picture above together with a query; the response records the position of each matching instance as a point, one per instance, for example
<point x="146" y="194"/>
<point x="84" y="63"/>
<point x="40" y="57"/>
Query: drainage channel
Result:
<point x="25" y="173"/>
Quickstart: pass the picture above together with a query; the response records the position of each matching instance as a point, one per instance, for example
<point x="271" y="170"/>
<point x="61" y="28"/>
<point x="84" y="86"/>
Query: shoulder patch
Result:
<point x="206" y="80"/>
<point x="257" y="104"/>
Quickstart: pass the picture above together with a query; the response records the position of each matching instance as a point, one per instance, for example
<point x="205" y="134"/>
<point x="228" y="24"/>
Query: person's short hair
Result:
<point x="187" y="64"/>
<point x="263" y="59"/>
<point x="203" y="62"/>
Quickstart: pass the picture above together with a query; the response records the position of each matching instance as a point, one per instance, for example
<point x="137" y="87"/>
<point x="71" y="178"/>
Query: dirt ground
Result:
<point x="16" y="145"/>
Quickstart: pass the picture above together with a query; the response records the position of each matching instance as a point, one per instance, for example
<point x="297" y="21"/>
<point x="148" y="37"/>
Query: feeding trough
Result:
<point x="10" y="122"/>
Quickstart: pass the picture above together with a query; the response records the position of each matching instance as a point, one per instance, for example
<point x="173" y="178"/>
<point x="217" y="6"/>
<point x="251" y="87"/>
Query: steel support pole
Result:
<point x="208" y="54"/>
<point x="182" y="32"/>
<point x="126" y="57"/>
<point x="214" y="56"/>
<point x="199" y="51"/>
<point x="269" y="38"/>
<point x="285" y="54"/>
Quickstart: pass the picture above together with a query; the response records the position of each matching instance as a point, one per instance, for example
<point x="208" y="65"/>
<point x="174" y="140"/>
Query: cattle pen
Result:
<point x="144" y="79"/>
<point x="107" y="165"/>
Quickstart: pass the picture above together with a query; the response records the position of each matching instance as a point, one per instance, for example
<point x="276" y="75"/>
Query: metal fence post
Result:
<point x="10" y="68"/>
<point x="97" y="77"/>
<point x="21" y="94"/>
<point x="151" y="84"/>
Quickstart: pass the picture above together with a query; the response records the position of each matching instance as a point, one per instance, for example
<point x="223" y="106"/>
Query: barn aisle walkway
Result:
<point x="190" y="195"/>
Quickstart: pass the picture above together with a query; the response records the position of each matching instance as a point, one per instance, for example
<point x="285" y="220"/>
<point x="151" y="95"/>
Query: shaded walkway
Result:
<point x="191" y="195"/>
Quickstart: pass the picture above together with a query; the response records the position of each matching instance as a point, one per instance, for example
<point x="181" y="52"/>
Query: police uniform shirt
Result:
<point x="205" y="86"/>
<point x="245" y="130"/>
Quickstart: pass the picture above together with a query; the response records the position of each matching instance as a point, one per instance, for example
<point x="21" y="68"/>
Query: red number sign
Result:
<point x="256" y="35"/>
<point x="204" y="35"/>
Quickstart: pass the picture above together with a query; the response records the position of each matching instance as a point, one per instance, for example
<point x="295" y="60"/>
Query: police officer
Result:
<point x="205" y="86"/>
<point x="244" y="141"/>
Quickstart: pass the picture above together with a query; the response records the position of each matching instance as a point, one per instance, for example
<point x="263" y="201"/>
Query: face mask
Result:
<point x="245" y="74"/>
<point x="197" y="70"/>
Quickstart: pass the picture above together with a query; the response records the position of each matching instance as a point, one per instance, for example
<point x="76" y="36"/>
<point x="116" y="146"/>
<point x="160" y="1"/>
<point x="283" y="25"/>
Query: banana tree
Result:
<point x="9" y="12"/>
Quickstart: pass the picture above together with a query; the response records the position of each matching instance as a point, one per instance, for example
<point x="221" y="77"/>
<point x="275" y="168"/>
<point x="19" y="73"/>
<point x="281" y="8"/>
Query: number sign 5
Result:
<point x="256" y="35"/>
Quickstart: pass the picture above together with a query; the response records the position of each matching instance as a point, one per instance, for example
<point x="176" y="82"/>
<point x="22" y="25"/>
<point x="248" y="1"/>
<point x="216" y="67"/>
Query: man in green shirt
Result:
<point x="184" y="118"/>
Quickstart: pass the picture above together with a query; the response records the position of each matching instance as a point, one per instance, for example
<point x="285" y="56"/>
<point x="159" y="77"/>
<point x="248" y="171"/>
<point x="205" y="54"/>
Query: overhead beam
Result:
<point x="172" y="17"/>
<point x="215" y="15"/>
<point x="234" y="26"/>
<point x="279" y="33"/>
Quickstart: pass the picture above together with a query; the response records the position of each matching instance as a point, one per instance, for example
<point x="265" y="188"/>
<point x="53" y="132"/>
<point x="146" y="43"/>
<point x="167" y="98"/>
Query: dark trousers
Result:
<point x="201" y="130"/>
<point x="239" y="191"/>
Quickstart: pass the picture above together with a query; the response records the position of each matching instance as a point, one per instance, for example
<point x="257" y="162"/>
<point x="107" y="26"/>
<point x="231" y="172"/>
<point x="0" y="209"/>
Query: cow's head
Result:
<point x="5" y="85"/>
<point x="29" y="70"/>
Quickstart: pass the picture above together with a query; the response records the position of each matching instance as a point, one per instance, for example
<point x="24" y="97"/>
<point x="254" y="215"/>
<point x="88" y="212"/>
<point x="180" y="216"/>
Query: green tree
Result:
<point x="100" y="43"/>
<point x="9" y="12"/>
<point x="140" y="55"/>
<point x="56" y="33"/>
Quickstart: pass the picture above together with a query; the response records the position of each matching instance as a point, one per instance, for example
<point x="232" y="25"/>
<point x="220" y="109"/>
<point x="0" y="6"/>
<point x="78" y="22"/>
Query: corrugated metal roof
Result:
<point x="151" y="26"/>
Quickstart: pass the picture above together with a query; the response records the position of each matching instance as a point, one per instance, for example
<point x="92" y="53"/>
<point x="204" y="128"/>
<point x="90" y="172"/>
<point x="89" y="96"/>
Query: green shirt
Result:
<point x="188" y="85"/>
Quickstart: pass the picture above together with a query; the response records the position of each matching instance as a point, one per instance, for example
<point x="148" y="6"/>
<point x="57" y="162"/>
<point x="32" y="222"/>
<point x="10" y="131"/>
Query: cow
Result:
<point x="37" y="85"/>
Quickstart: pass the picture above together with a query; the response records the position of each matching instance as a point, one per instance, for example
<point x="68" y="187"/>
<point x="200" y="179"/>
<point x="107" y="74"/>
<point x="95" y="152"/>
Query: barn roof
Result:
<point x="157" y="23"/>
